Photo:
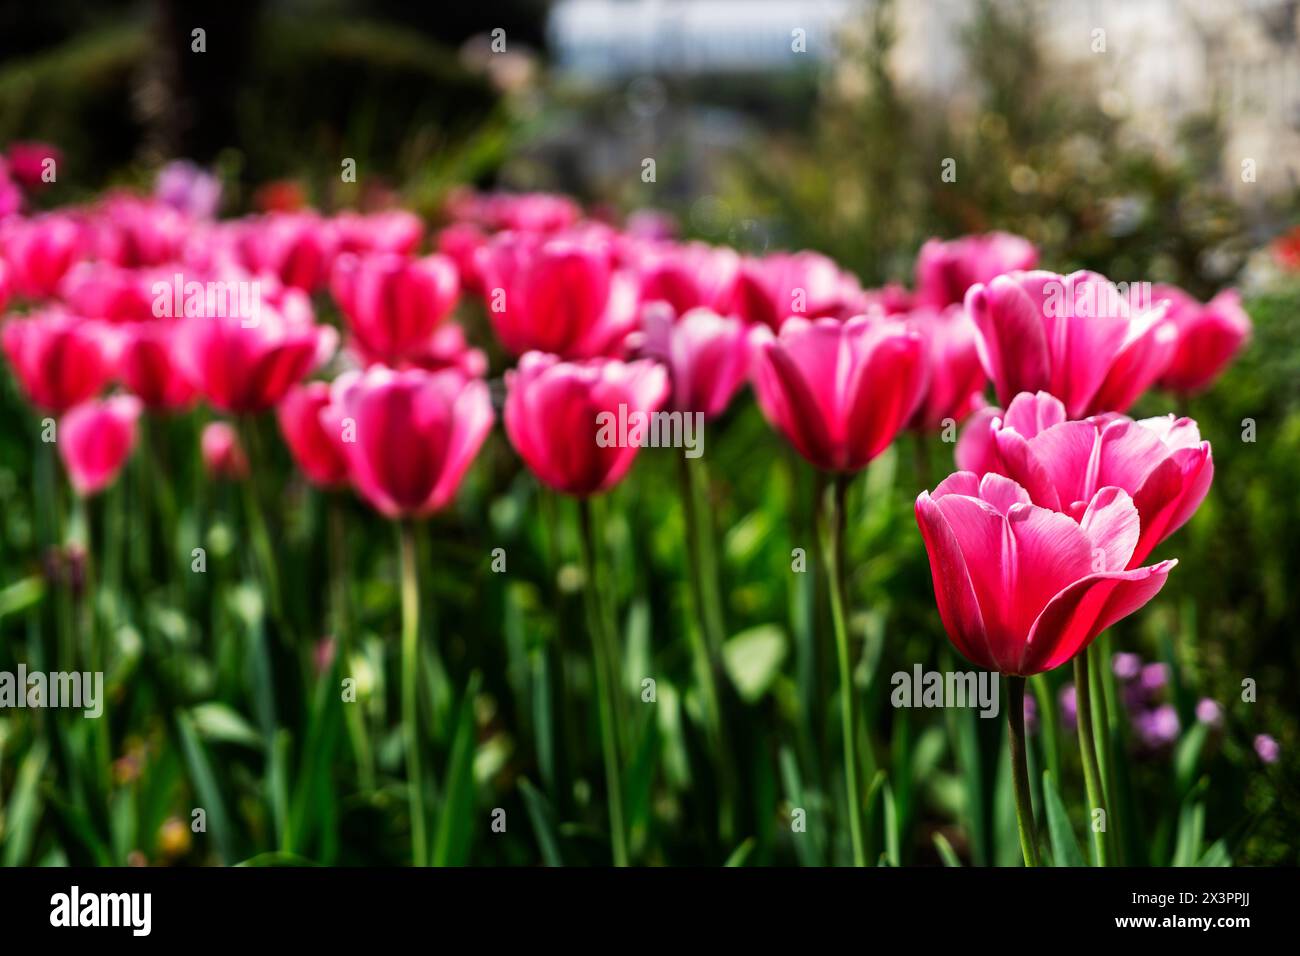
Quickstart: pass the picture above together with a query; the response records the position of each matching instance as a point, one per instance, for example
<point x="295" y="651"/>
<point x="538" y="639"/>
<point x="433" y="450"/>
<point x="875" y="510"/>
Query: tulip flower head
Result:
<point x="946" y="270"/>
<point x="1078" y="337"/>
<point x="222" y="452"/>
<point x="320" y="457"/>
<point x="1208" y="337"/>
<point x="1161" y="463"/>
<point x="839" y="391"/>
<point x="707" y="355"/>
<point x="393" y="304"/>
<point x="769" y="290"/>
<point x="147" y="366"/>
<point x="1022" y="589"/>
<point x="59" y="359"/>
<point x="956" y="380"/>
<point x="408" y="436"/>
<point x="95" y="439"/>
<point x="552" y="415"/>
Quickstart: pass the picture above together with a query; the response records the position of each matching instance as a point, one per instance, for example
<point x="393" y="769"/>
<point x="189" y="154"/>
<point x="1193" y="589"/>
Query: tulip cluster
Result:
<point x="1036" y="545"/>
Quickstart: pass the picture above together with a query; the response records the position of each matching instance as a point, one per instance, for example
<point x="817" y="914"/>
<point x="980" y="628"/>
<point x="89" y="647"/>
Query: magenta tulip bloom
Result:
<point x="552" y="417"/>
<point x="956" y="377"/>
<point x="297" y="248"/>
<point x="316" y="452"/>
<point x="395" y="231"/>
<point x="95" y="439"/>
<point x="41" y="251"/>
<point x="27" y="163"/>
<point x="688" y="276"/>
<point x="769" y="290"/>
<point x="6" y="285"/>
<point x="1076" y="336"/>
<point x="1022" y="589"/>
<point x="393" y="304"/>
<point x="839" y="391"/>
<point x="222" y="453"/>
<point x="1161" y="463"/>
<point x="707" y="356"/>
<point x="247" y="365"/>
<point x="460" y="242"/>
<point x="557" y="295"/>
<point x="59" y="359"/>
<point x="133" y="232"/>
<point x="409" y="436"/>
<point x="946" y="270"/>
<point x="1209" y="336"/>
<point x="147" y="366"/>
<point x="100" y="290"/>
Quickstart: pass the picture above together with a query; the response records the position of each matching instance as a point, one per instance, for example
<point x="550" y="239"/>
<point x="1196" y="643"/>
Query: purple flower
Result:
<point x="1154" y="677"/>
<point x="188" y="188"/>
<point x="1069" y="708"/>
<point x="1126" y="666"/>
<point x="1031" y="714"/>
<point x="1209" y="712"/>
<point x="1267" y="748"/>
<point x="1157" y="728"/>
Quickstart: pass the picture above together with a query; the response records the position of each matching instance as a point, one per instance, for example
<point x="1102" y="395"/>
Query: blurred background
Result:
<point x="1152" y="140"/>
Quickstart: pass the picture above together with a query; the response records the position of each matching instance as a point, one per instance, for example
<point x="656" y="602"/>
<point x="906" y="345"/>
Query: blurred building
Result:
<point x="1156" y="64"/>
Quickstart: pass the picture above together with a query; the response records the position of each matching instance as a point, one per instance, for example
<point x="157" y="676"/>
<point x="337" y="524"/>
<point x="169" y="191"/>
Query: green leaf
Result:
<point x="205" y="786"/>
<point x="741" y="853"/>
<point x="222" y="724"/>
<point x="539" y="812"/>
<point x="946" y="852"/>
<point x="1065" y="848"/>
<point x="24" y="806"/>
<point x="21" y="595"/>
<point x="455" y="826"/>
<point x="753" y="659"/>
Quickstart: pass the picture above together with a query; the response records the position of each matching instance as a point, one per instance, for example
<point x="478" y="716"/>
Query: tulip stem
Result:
<point x="706" y="634"/>
<point x="605" y="669"/>
<point x="1088" y="756"/>
<point x="257" y="525"/>
<point x="835" y="521"/>
<point x="341" y="599"/>
<point x="410" y="684"/>
<point x="1097" y="659"/>
<point x="1020" y="769"/>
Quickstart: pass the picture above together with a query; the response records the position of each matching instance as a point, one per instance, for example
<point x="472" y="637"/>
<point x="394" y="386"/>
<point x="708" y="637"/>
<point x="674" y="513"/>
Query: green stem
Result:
<point x="1097" y="667"/>
<point x="1020" y="769"/>
<point x="356" y="718"/>
<point x="705" y="636"/>
<point x="605" y="669"/>
<point x="1088" y="757"/>
<point x="257" y="524"/>
<point x="835" y="520"/>
<point x="410" y="708"/>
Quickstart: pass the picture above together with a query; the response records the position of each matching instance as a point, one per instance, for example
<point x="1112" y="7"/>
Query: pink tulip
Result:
<point x="839" y="391"/>
<point x="1161" y="463"/>
<point x="320" y="456"/>
<point x="1209" y="336"/>
<point x="461" y="242"/>
<point x="27" y="163"/>
<point x="393" y="304"/>
<point x="95" y="439"/>
<point x="395" y="231"/>
<point x="59" y="359"/>
<point x="409" y="436"/>
<point x="768" y="290"/>
<point x="1075" y="336"/>
<point x="40" y="251"/>
<point x="552" y="417"/>
<point x="100" y="290"/>
<point x="222" y="453"/>
<point x="706" y="355"/>
<point x="956" y="377"/>
<point x="891" y="299"/>
<point x="6" y="284"/>
<point x="297" y="248"/>
<point x="243" y="366"/>
<point x="1022" y="589"/>
<point x="556" y="294"/>
<point x="687" y="276"/>
<point x="134" y="232"/>
<point x="148" y="368"/>
<point x="946" y="270"/>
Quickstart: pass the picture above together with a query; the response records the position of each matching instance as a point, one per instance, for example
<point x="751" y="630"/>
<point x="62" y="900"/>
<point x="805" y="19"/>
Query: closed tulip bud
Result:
<point x="222" y="453"/>
<point x="956" y="378"/>
<point x="839" y="391"/>
<point x="59" y="359"/>
<point x="707" y="356"/>
<point x="770" y="289"/>
<point x="40" y="252"/>
<point x="392" y="304"/>
<point x="946" y="270"/>
<point x="320" y="457"/>
<point x="95" y="440"/>
<point x="553" y="412"/>
<point x="148" y="368"/>
<point x="1208" y="337"/>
